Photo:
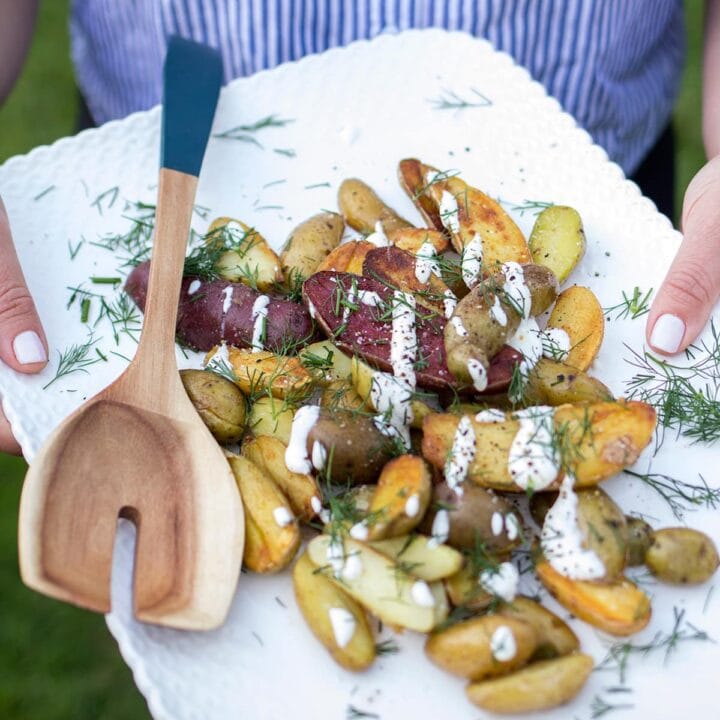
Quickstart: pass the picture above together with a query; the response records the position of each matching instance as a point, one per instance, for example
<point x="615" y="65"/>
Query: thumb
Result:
<point x="691" y="288"/>
<point x="22" y="341"/>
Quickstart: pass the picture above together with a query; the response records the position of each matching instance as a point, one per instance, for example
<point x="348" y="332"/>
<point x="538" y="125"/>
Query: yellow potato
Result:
<point x="335" y="619"/>
<point x="482" y="647"/>
<point x="423" y="559"/>
<point x="251" y="261"/>
<point x="557" y="240"/>
<point x="271" y="416"/>
<point x="682" y="556"/>
<point x="325" y="362"/>
<point x="379" y="584"/>
<point x="556" y="383"/>
<point x="348" y="257"/>
<point x="341" y="395"/>
<point x="412" y="239"/>
<point x="272" y="536"/>
<point x="555" y="637"/>
<point x="539" y="686"/>
<point x="400" y="498"/>
<point x="363" y="209"/>
<point x="302" y="492"/>
<point x="309" y="244"/>
<point x="618" y="608"/>
<point x="578" y="312"/>
<point x="595" y="441"/>
<point x="464" y="589"/>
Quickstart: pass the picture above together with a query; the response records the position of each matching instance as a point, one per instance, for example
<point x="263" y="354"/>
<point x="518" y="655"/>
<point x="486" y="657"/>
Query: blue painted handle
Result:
<point x="193" y="75"/>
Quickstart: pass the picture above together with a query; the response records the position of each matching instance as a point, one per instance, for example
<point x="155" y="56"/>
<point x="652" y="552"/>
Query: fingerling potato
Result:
<point x="362" y="208"/>
<point x="309" y="244"/>
<point x="557" y="240"/>
<point x="682" y="556"/>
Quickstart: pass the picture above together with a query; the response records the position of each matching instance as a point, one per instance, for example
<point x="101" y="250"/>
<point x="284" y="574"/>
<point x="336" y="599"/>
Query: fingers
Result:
<point x="692" y="286"/>
<point x="22" y="340"/>
<point x="8" y="444"/>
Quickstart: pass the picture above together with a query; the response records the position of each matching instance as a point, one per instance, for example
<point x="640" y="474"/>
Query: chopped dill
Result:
<point x="537" y="206"/>
<point x="632" y="306"/>
<point x="43" y="193"/>
<point x="287" y="152"/>
<point x="450" y="100"/>
<point x="110" y="196"/>
<point x="73" y="359"/>
<point x="387" y="647"/>
<point x="244" y="132"/>
<point x="600" y="707"/>
<point x="353" y="713"/>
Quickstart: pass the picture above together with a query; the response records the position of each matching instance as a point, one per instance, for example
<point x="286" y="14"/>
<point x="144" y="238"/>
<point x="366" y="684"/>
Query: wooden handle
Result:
<point x="176" y="195"/>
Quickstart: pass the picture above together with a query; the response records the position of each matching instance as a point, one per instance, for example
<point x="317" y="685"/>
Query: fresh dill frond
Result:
<point x="73" y="359"/>
<point x="353" y="713"/>
<point x="244" y="132"/>
<point x="536" y="206"/>
<point x="632" y="306"/>
<point x="387" y="647"/>
<point x="599" y="707"/>
<point x="451" y="100"/>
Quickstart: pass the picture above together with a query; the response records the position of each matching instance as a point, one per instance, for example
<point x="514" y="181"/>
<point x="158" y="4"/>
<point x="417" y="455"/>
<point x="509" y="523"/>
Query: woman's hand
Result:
<point x="692" y="286"/>
<point x="22" y="341"/>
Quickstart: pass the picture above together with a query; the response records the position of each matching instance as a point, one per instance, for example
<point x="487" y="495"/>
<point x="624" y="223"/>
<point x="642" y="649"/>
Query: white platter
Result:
<point x="356" y="112"/>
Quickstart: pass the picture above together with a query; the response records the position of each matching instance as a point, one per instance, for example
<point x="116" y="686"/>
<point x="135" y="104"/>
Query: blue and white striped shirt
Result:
<point x="614" y="64"/>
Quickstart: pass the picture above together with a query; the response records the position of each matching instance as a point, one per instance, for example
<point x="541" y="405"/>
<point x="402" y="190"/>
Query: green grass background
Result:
<point x="57" y="662"/>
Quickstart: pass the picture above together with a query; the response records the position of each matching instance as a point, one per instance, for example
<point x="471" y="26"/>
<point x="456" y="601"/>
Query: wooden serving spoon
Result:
<point x="138" y="449"/>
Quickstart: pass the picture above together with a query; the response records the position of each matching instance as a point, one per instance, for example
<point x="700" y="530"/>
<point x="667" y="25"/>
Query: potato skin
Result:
<point x="356" y="450"/>
<point x="362" y="208"/>
<point x="309" y="244"/>
<point x="682" y="556"/>
<point x="556" y="383"/>
<point x="464" y="648"/>
<point x="271" y="416"/>
<point x="557" y="240"/>
<point x="637" y="541"/>
<point x="219" y="403"/>
<point x="539" y="686"/>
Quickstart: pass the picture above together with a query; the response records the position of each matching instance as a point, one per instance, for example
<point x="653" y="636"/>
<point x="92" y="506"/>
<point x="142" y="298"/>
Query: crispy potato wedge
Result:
<point x="557" y="240"/>
<point x="363" y="209"/>
<point x="428" y="561"/>
<point x="254" y="263"/>
<point x="556" y="383"/>
<point x="482" y="647"/>
<point x="281" y="375"/>
<point x="272" y="536"/>
<point x="326" y="362"/>
<point x="599" y="440"/>
<point x="619" y="608"/>
<point x="341" y="395"/>
<point x="555" y="638"/>
<point x="578" y="312"/>
<point x="682" y="556"/>
<point x="301" y="491"/>
<point x="309" y="244"/>
<point x="271" y="416"/>
<point x="412" y="239"/>
<point x="379" y="584"/>
<point x="539" y="686"/>
<point x="219" y="403"/>
<point x="464" y="212"/>
<point x="400" y="498"/>
<point x="335" y="619"/>
<point x="464" y="589"/>
<point x="348" y="257"/>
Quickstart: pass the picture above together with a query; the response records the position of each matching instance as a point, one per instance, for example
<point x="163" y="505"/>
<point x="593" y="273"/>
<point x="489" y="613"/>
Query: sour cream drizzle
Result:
<point x="555" y="343"/>
<point x="478" y="373"/>
<point x="461" y="455"/>
<point x="502" y="644"/>
<point x="193" y="287"/>
<point x="502" y="581"/>
<point x="449" y="211"/>
<point x="533" y="461"/>
<point x="562" y="539"/>
<point x="492" y="415"/>
<point x="450" y="302"/>
<point x="457" y="323"/>
<point x="421" y="594"/>
<point x="296" y="455"/>
<point x="426" y="263"/>
<point x="227" y="299"/>
<point x="440" y="529"/>
<point x="369" y="297"/>
<point x="259" y="319"/>
<point x="412" y="505"/>
<point x="471" y="261"/>
<point x="497" y="312"/>
<point x="516" y="289"/>
<point x="318" y="456"/>
<point x="283" y="516"/>
<point x="343" y="625"/>
<point x="378" y="238"/>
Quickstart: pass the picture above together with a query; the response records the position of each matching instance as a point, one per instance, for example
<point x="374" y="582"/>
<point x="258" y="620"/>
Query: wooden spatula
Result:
<point x="139" y="450"/>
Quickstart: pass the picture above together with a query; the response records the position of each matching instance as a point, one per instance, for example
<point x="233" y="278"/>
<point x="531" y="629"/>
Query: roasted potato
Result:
<point x="272" y="536"/>
<point x="637" y="540"/>
<point x="464" y="589"/>
<point x="348" y="257"/>
<point x="681" y="556"/>
<point x="363" y="209"/>
<point x="301" y="491"/>
<point x="596" y="441"/>
<point x="383" y="587"/>
<point x="556" y="383"/>
<point x="475" y="515"/>
<point x="335" y="619"/>
<point x="412" y="239"/>
<point x="355" y="450"/>
<point x="482" y="647"/>
<point x="342" y="395"/>
<point x="618" y="608"/>
<point x="424" y="558"/>
<point x="309" y="244"/>
<point x="325" y="362"/>
<point x="557" y="240"/>
<point x="251" y="261"/>
<point x="219" y="403"/>
<point x="539" y="686"/>
<point x="271" y="416"/>
<point x="578" y="313"/>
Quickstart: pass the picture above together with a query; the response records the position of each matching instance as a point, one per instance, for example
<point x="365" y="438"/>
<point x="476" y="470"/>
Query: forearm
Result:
<point x="711" y="79"/>
<point x="17" y="20"/>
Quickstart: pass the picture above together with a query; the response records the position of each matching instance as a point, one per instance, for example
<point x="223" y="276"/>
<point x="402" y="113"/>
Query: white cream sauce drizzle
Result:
<point x="421" y="594"/>
<point x="515" y="288"/>
<point x="344" y="566"/>
<point x="426" y="263"/>
<point x="502" y="582"/>
<point x="528" y="341"/>
<point x="502" y="644"/>
<point x="461" y="455"/>
<point x="343" y="625"/>
<point x="312" y="310"/>
<point x="562" y="539"/>
<point x="221" y="358"/>
<point x="227" y="299"/>
<point x="283" y="516"/>
<point x="259" y="320"/>
<point x="471" y="261"/>
<point x="412" y="505"/>
<point x="508" y="523"/>
<point x="360" y="531"/>
<point x="316" y="504"/>
<point x="318" y="456"/>
<point x="296" y="455"/>
<point x="533" y="461"/>
<point x="497" y="312"/>
<point x="492" y="415"/>
<point x="555" y="343"/>
<point x="378" y="238"/>
<point x="449" y="212"/>
<point x="440" y="529"/>
<point x="478" y="373"/>
<point x="450" y="302"/>
<point x="457" y="323"/>
<point x="194" y="286"/>
<point x="370" y="297"/>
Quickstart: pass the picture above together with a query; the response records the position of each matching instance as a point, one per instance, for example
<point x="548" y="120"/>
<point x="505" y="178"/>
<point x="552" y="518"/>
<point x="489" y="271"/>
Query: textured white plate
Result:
<point x="355" y="112"/>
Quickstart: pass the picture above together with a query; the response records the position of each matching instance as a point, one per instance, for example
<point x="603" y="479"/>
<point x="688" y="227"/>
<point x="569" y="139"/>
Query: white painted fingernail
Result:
<point x="668" y="333"/>
<point x="28" y="348"/>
